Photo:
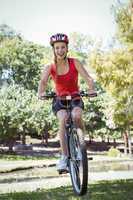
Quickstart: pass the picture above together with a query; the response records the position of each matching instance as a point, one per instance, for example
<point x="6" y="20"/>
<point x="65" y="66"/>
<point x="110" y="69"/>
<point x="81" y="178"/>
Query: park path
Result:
<point x="53" y="182"/>
<point x="42" y="174"/>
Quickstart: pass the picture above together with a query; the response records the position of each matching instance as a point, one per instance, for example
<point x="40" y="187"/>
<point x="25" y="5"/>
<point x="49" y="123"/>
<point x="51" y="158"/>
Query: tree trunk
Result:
<point x="108" y="140"/>
<point x="125" y="137"/>
<point x="46" y="138"/>
<point x="90" y="138"/>
<point x="114" y="142"/>
<point x="42" y="139"/>
<point x="103" y="139"/>
<point x="11" y="144"/>
<point x="23" y="138"/>
<point x="129" y="143"/>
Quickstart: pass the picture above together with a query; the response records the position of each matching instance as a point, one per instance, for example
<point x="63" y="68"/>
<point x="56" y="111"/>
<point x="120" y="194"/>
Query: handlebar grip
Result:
<point x="86" y="94"/>
<point x="92" y="95"/>
<point x="48" y="96"/>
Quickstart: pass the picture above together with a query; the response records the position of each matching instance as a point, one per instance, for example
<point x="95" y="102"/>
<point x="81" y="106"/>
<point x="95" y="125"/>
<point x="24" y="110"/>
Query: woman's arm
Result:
<point x="43" y="81"/>
<point x="83" y="72"/>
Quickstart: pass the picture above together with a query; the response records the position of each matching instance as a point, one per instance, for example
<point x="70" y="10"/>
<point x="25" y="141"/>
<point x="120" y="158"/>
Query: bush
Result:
<point x="22" y="113"/>
<point x="113" y="152"/>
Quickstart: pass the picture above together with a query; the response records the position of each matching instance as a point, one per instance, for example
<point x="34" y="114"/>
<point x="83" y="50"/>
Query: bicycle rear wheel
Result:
<point x="78" y="163"/>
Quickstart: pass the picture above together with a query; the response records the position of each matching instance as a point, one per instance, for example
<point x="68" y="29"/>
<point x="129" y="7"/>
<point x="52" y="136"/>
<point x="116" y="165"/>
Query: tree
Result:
<point x="22" y="114"/>
<point x="20" y="62"/>
<point x="115" y="72"/>
<point x="93" y="113"/>
<point x="124" y="18"/>
<point x="80" y="45"/>
<point x="7" y="32"/>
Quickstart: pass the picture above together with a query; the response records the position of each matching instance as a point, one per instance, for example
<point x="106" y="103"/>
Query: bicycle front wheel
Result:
<point x="78" y="164"/>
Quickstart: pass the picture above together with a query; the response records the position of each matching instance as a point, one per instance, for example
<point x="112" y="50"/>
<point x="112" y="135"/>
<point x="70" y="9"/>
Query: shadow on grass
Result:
<point x="19" y="180"/>
<point x="105" y="190"/>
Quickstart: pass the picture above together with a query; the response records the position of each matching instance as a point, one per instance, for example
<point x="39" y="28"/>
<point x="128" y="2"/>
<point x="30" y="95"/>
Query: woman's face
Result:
<point x="60" y="50"/>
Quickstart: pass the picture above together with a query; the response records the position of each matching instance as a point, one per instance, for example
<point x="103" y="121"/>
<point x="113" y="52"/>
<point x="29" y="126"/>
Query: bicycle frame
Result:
<point x="77" y="155"/>
<point x="69" y="125"/>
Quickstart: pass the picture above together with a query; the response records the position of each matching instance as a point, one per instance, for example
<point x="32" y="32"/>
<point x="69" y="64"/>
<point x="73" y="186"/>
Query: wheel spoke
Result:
<point x="76" y="174"/>
<point x="78" y="164"/>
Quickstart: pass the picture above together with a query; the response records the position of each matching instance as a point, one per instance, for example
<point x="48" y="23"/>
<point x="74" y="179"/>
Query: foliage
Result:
<point x="80" y="42"/>
<point x="8" y="32"/>
<point x="48" y="56"/>
<point x="20" y="62"/>
<point x="93" y="114"/>
<point x="21" y="111"/>
<point x="124" y="18"/>
<point x="115" y="73"/>
<point x="80" y="45"/>
<point x="113" y="152"/>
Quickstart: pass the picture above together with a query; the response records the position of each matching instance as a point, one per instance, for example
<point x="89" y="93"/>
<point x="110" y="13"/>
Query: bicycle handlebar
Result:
<point x="81" y="93"/>
<point x="86" y="94"/>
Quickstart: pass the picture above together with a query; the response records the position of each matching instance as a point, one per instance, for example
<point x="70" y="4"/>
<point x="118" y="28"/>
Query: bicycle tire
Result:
<point x="78" y="165"/>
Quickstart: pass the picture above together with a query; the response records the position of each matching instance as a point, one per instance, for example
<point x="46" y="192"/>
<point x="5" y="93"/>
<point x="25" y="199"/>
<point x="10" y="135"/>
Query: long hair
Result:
<point x="55" y="60"/>
<point x="55" y="57"/>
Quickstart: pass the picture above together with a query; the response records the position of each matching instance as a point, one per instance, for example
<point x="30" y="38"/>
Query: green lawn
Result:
<point x="21" y="157"/>
<point x="103" y="190"/>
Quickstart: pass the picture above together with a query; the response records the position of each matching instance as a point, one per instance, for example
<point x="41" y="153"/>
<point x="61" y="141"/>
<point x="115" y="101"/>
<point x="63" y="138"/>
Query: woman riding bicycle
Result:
<point x="64" y="72"/>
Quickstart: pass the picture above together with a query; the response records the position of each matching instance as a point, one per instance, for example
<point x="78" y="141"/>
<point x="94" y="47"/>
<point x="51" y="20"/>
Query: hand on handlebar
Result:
<point x="41" y="96"/>
<point x="46" y="96"/>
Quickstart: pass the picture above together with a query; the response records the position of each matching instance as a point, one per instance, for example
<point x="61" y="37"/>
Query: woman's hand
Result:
<point x="41" y="96"/>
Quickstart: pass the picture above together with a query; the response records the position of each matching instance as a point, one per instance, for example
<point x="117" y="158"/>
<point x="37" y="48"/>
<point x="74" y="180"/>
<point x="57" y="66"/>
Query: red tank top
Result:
<point x="65" y="84"/>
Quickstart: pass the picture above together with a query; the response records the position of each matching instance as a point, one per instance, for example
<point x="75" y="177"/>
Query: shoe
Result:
<point x="62" y="165"/>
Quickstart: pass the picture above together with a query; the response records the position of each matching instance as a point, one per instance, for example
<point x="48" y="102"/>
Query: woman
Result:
<point x="64" y="72"/>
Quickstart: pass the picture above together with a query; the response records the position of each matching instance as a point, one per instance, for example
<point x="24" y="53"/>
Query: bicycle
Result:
<point x="77" y="153"/>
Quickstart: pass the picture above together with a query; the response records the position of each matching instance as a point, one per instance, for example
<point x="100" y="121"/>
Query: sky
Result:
<point x="36" y="20"/>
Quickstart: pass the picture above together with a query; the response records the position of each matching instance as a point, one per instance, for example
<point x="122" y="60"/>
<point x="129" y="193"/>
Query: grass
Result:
<point x="21" y="157"/>
<point x="28" y="175"/>
<point x="103" y="190"/>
